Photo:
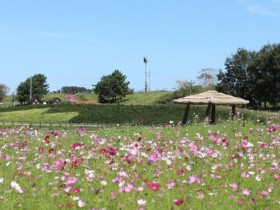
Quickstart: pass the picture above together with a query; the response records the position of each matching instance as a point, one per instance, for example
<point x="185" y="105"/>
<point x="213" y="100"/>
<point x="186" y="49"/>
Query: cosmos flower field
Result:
<point x="226" y="166"/>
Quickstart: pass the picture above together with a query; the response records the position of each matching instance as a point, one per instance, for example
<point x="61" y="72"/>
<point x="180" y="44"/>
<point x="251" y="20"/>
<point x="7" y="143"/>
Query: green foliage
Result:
<point x="35" y="86"/>
<point x="237" y="80"/>
<point x="74" y="90"/>
<point x="254" y="76"/>
<point x="112" y="88"/>
<point x="187" y="88"/>
<point x="266" y="75"/>
<point x="4" y="89"/>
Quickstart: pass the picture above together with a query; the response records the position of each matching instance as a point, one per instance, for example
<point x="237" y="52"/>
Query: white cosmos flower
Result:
<point x="141" y="202"/>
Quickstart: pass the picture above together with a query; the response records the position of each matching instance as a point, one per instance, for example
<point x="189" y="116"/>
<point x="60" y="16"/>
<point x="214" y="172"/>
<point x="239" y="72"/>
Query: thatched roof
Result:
<point x="211" y="97"/>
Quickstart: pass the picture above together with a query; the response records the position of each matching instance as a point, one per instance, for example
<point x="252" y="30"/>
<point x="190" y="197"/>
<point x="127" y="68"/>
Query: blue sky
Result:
<point x="76" y="42"/>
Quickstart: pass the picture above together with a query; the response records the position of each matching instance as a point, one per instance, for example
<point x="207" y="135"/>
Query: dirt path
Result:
<point x="74" y="99"/>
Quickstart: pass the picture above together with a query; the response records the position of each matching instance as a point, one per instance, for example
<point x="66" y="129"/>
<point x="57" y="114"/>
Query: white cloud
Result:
<point x="264" y="8"/>
<point x="262" y="11"/>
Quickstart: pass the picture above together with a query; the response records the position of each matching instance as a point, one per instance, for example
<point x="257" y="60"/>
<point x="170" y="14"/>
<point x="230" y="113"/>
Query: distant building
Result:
<point x="37" y="101"/>
<point x="53" y="101"/>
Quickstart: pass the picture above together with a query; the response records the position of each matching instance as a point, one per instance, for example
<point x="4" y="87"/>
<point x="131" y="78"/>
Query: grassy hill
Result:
<point x="137" y="98"/>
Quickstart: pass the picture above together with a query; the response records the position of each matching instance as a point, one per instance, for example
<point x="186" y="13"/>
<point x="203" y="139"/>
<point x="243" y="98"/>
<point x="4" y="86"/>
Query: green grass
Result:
<point x="87" y="97"/>
<point x="142" y="98"/>
<point x="37" y="116"/>
<point x="137" y="98"/>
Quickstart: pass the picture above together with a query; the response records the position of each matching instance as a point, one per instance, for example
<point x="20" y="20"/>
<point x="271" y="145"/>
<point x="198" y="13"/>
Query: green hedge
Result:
<point x="135" y="114"/>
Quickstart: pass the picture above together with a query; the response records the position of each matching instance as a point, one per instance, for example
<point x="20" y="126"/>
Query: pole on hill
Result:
<point x="146" y="83"/>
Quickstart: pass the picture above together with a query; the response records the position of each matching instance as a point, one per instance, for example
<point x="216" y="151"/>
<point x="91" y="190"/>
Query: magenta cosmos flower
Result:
<point x="153" y="186"/>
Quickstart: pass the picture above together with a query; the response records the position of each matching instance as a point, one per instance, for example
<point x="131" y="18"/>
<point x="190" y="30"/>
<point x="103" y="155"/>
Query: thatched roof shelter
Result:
<point x="211" y="98"/>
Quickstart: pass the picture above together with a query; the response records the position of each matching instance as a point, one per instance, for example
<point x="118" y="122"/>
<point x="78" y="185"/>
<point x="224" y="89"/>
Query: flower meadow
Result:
<point x="234" y="165"/>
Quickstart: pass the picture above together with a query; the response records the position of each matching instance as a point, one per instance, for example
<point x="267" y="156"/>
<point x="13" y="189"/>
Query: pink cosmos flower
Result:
<point x="245" y="192"/>
<point x="153" y="157"/>
<point x="113" y="196"/>
<point x="76" y="190"/>
<point x="272" y="128"/>
<point x="159" y="136"/>
<point x="71" y="180"/>
<point x="244" y="175"/>
<point x="129" y="187"/>
<point x="238" y="134"/>
<point x="178" y="202"/>
<point x="171" y="184"/>
<point x="180" y="172"/>
<point x="193" y="147"/>
<point x="77" y="144"/>
<point x="47" y="139"/>
<point x="112" y="151"/>
<point x="231" y="164"/>
<point x="276" y="176"/>
<point x="59" y="164"/>
<point x="264" y="194"/>
<point x="234" y="186"/>
<point x="153" y="186"/>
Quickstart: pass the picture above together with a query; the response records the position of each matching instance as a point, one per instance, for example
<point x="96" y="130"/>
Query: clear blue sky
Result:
<point x="76" y="42"/>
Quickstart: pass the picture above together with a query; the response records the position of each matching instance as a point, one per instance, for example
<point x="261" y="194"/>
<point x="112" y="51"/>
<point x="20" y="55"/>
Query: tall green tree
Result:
<point x="265" y="71"/>
<point x="112" y="88"/>
<point x="4" y="89"/>
<point x="35" y="86"/>
<point x="237" y="80"/>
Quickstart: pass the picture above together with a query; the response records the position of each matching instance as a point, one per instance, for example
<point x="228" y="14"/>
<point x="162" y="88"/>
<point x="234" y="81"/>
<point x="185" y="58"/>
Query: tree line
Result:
<point x="253" y="75"/>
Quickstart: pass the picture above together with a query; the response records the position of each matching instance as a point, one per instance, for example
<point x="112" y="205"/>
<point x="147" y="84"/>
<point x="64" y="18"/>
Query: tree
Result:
<point x="35" y="86"/>
<point x="237" y="79"/>
<point x="187" y="87"/>
<point x="265" y="71"/>
<point x="112" y="88"/>
<point x="74" y="90"/>
<point x="3" y="91"/>
<point x="208" y="78"/>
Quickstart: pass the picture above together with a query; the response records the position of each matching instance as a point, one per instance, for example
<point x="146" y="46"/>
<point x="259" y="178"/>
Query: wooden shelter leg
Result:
<point x="213" y="113"/>
<point x="185" y="117"/>
<point x="233" y="111"/>
<point x="206" y="118"/>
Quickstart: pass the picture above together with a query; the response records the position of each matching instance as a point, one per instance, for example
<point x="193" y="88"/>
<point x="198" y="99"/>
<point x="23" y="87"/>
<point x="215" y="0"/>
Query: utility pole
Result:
<point x="149" y="78"/>
<point x="146" y="83"/>
<point x="30" y="87"/>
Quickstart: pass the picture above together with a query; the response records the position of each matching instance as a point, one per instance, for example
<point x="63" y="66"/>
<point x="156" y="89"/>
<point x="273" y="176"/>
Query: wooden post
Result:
<point x="233" y="111"/>
<point x="185" y="117"/>
<point x="206" y="118"/>
<point x="213" y="113"/>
